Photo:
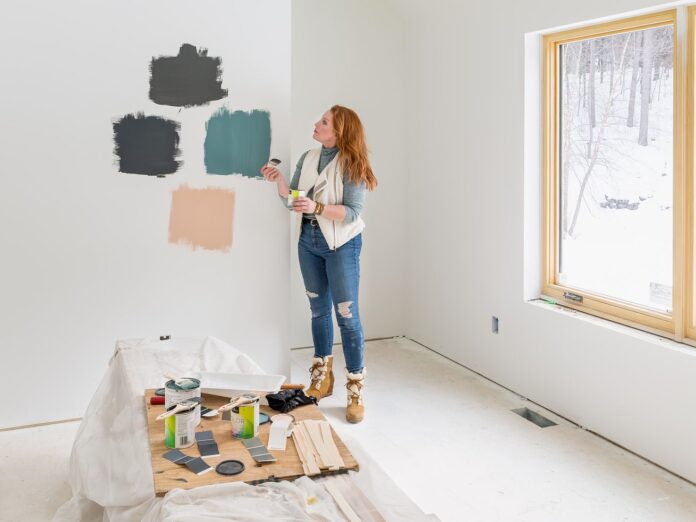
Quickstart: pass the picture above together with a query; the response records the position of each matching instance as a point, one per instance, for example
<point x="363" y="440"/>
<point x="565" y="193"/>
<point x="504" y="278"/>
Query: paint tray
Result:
<point x="233" y="384"/>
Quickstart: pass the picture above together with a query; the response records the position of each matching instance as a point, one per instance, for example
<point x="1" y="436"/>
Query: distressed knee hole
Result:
<point x="344" y="309"/>
<point x="311" y="295"/>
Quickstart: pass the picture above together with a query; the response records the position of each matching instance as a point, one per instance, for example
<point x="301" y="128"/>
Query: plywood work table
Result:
<point x="167" y="475"/>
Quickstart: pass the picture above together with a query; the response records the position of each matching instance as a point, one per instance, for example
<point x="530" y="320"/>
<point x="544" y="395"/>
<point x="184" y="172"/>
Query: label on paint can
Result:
<point x="180" y="429"/>
<point x="174" y="394"/>
<point x="293" y="195"/>
<point x="245" y="421"/>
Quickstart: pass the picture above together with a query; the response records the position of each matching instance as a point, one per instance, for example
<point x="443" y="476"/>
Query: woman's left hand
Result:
<point x="304" y="204"/>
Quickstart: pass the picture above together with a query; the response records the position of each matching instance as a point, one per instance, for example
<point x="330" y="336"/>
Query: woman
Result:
<point x="335" y="178"/>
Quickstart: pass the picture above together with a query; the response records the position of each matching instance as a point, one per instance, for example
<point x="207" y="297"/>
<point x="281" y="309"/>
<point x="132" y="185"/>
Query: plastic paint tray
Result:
<point x="233" y="384"/>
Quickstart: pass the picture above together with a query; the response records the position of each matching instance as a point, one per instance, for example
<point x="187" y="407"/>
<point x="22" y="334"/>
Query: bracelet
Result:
<point x="319" y="209"/>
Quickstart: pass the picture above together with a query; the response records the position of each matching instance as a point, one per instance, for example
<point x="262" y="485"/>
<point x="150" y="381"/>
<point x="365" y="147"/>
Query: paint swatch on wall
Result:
<point x="146" y="145"/>
<point x="237" y="142"/>
<point x="202" y="218"/>
<point x="190" y="78"/>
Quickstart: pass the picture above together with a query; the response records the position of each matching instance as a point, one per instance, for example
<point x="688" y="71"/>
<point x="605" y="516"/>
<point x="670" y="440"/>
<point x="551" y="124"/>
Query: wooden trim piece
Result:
<point x="613" y="27"/>
<point x="679" y="196"/>
<point x="624" y="313"/>
<point x="40" y="424"/>
<point x="342" y="503"/>
<point x="689" y="144"/>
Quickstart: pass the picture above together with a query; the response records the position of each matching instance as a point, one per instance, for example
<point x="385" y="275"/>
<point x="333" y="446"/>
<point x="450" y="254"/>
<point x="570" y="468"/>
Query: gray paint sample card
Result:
<point x="206" y="444"/>
<point x="257" y="450"/>
<point x="195" y="464"/>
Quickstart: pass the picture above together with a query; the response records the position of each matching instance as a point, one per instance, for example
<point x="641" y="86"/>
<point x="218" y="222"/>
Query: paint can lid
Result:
<point x="280" y="417"/>
<point x="187" y="383"/>
<point x="263" y="418"/>
<point x="159" y="392"/>
<point x="230" y="467"/>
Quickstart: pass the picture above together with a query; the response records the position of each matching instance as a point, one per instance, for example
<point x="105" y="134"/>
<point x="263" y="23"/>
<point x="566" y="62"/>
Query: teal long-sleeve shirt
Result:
<point x="353" y="194"/>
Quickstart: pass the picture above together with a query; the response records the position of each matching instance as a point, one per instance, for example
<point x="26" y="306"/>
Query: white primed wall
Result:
<point x="85" y="256"/>
<point x="466" y="63"/>
<point x="350" y="52"/>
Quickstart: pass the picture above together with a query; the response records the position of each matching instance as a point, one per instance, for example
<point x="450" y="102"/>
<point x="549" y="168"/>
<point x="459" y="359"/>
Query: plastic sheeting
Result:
<point x="111" y="475"/>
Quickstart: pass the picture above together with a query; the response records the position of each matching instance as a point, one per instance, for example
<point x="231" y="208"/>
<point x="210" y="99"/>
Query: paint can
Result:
<point x="180" y="428"/>
<point x="174" y="394"/>
<point x="293" y="195"/>
<point x="245" y="420"/>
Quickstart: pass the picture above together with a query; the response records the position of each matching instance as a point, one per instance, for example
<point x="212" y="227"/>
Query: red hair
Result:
<point x="350" y="140"/>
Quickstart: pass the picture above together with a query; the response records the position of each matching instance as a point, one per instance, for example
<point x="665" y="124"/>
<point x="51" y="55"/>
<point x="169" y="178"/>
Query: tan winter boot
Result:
<point x="355" y="411"/>
<point x="321" y="376"/>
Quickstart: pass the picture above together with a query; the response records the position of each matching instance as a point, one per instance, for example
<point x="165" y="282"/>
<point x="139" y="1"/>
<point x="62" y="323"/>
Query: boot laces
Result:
<point x="354" y="387"/>
<point x="318" y="373"/>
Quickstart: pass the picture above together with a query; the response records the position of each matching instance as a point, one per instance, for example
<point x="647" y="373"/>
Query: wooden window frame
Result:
<point x="674" y="325"/>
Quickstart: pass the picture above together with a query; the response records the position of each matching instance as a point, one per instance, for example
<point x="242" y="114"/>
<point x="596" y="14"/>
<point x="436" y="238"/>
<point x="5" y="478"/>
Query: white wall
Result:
<point x="467" y="257"/>
<point x="85" y="257"/>
<point x="350" y="52"/>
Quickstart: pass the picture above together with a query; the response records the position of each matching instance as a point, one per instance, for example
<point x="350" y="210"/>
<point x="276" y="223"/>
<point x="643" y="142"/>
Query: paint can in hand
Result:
<point x="293" y="195"/>
<point x="245" y="420"/>
<point x="188" y="388"/>
<point x="180" y="428"/>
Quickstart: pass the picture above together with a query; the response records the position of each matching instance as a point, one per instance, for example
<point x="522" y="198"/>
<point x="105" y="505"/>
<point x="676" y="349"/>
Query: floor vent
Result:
<point x="534" y="417"/>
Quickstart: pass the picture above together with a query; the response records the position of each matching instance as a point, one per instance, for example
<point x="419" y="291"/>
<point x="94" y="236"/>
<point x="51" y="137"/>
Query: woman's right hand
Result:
<point x="271" y="173"/>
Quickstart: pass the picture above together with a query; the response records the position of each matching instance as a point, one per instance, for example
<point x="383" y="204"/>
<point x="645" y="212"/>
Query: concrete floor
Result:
<point x="446" y="436"/>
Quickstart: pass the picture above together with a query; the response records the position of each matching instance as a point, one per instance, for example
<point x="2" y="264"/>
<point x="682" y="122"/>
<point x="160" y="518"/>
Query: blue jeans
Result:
<point x="331" y="279"/>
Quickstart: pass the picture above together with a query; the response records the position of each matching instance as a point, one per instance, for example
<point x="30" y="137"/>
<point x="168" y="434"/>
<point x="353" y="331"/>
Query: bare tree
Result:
<point x="567" y="126"/>
<point x="634" y="81"/>
<point x="645" y="84"/>
<point x="591" y="96"/>
<point x="594" y="157"/>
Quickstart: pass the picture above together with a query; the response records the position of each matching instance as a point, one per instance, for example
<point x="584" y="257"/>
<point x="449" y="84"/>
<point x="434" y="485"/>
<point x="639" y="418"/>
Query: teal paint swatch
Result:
<point x="237" y="142"/>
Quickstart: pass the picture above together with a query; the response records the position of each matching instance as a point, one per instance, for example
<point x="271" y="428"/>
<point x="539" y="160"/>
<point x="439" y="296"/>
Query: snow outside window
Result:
<point x="615" y="189"/>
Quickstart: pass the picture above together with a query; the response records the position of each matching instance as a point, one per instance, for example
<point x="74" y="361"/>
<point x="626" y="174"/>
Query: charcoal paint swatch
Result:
<point x="237" y="142"/>
<point x="146" y="145"/>
<point x="190" y="78"/>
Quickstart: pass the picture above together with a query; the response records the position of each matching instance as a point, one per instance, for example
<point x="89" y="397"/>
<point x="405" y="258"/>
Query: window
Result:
<point x="613" y="173"/>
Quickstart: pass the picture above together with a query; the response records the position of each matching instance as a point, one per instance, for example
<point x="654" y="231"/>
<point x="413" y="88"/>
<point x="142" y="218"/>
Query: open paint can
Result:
<point x="245" y="420"/>
<point x="293" y="195"/>
<point x="180" y="428"/>
<point x="188" y="388"/>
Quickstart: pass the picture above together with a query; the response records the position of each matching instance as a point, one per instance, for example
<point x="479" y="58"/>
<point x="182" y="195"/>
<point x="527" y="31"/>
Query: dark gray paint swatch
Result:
<point x="191" y="78"/>
<point x="146" y="145"/>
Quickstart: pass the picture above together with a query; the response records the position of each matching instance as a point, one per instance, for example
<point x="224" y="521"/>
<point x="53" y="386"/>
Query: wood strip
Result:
<point x="328" y="436"/>
<point x="314" y="431"/>
<point x="300" y="454"/>
<point x="342" y="503"/>
<point x="307" y="452"/>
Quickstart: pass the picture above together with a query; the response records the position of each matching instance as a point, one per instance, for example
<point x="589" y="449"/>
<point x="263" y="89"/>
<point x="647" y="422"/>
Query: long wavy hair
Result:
<point x="350" y="140"/>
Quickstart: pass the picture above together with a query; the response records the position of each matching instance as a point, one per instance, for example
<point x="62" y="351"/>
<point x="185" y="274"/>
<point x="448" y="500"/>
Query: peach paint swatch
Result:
<point x="202" y="218"/>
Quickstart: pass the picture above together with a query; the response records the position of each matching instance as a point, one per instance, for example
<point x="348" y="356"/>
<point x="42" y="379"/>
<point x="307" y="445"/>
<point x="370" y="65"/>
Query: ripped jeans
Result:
<point x="331" y="279"/>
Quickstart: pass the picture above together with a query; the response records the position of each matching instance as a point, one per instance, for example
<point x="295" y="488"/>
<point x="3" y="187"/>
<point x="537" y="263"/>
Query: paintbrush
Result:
<point x="237" y="401"/>
<point x="182" y="406"/>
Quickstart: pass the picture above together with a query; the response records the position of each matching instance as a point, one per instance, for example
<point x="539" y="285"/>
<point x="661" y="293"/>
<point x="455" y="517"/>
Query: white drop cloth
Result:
<point x="111" y="474"/>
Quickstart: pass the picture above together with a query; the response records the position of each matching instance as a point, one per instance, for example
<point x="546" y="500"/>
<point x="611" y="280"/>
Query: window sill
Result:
<point x="686" y="346"/>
